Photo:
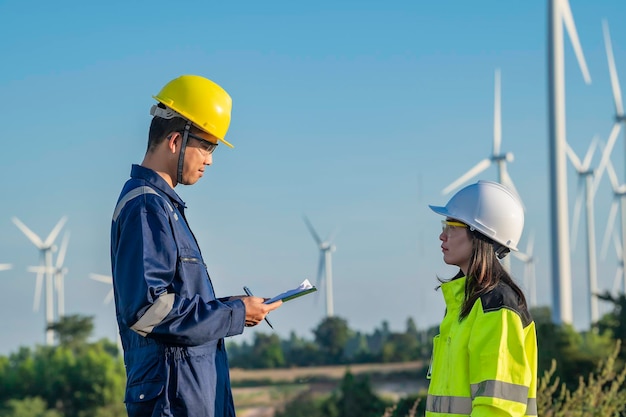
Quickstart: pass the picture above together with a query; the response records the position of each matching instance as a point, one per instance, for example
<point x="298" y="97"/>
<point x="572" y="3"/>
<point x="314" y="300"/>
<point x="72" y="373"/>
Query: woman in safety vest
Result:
<point x="485" y="356"/>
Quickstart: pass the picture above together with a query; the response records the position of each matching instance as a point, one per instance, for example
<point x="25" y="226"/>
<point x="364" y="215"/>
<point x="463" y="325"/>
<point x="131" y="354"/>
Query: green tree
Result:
<point x="267" y="352"/>
<point x="77" y="380"/>
<point x="331" y="336"/>
<point x="28" y="407"/>
<point x="355" y="398"/>
<point x="73" y="331"/>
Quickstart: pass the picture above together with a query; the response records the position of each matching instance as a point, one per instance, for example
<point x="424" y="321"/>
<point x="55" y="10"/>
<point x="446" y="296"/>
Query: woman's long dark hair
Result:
<point x="484" y="273"/>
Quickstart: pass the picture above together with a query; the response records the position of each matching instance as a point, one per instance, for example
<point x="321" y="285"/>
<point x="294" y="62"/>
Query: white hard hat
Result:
<point x="491" y="209"/>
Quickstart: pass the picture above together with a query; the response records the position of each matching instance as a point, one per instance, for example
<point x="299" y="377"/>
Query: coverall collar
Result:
<point x="156" y="181"/>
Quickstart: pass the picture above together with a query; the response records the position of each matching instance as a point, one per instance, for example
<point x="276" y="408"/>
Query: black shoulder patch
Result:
<point x="503" y="296"/>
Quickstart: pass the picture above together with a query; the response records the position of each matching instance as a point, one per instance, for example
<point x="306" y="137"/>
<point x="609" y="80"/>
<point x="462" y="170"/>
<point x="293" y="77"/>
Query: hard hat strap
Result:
<point x="501" y="250"/>
<point x="181" y="156"/>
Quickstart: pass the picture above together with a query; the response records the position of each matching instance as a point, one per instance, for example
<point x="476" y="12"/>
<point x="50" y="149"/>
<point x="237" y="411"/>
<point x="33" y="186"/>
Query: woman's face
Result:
<point x="456" y="244"/>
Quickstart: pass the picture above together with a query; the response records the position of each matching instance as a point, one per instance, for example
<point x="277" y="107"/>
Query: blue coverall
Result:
<point x="171" y="324"/>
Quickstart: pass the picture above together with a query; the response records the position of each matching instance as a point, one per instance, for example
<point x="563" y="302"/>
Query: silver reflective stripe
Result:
<point x="531" y="407"/>
<point x="500" y="389"/>
<point x="154" y="315"/>
<point x="463" y="405"/>
<point x="136" y="192"/>
<point x="448" y="405"/>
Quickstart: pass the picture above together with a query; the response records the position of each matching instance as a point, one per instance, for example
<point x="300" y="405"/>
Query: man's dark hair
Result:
<point x="160" y="128"/>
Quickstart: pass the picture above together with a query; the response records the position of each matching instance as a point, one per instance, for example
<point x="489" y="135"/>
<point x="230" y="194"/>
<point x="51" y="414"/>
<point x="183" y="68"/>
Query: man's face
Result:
<point x="198" y="155"/>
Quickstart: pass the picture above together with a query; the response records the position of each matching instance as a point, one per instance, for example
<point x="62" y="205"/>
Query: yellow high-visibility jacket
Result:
<point x="486" y="364"/>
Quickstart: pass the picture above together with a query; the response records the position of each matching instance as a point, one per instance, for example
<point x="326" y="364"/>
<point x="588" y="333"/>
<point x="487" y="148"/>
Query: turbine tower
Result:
<point x="58" y="272"/>
<point x="559" y="14"/>
<point x="45" y="248"/>
<point x="497" y="157"/>
<point x="528" y="258"/>
<point x="325" y="267"/>
<point x="587" y="191"/>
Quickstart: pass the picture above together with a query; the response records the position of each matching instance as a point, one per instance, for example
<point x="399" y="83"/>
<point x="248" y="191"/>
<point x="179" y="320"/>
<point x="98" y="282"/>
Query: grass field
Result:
<point x="259" y="392"/>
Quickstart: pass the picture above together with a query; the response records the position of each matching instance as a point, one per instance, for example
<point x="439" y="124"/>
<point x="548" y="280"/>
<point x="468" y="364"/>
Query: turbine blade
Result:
<point x="312" y="230"/>
<point x="477" y="169"/>
<point x="577" y="209"/>
<point x="55" y="231"/>
<point x="320" y="269"/>
<point x="610" y="171"/>
<point x="570" y="26"/>
<point x="574" y="158"/>
<point x="38" y="284"/>
<point x="589" y="155"/>
<point x="508" y="182"/>
<point x="107" y="279"/>
<point x="5" y="267"/>
<point x="62" y="250"/>
<point x="109" y="297"/>
<point x="29" y="233"/>
<point x="609" y="226"/>
<point x="617" y="92"/>
<point x="606" y="154"/>
<point x="497" y="116"/>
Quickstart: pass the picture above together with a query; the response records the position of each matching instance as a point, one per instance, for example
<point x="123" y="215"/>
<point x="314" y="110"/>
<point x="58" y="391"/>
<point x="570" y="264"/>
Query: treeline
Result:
<point x="333" y="343"/>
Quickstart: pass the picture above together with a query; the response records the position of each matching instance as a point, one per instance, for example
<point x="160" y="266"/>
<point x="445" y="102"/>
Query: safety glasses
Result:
<point x="205" y="146"/>
<point x="449" y="225"/>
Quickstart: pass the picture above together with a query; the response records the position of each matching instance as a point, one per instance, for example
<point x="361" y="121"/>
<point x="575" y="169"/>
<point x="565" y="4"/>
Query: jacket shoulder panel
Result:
<point x="503" y="296"/>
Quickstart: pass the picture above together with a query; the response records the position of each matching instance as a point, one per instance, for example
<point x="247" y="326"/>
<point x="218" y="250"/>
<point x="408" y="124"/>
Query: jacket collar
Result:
<point x="454" y="292"/>
<point x="156" y="181"/>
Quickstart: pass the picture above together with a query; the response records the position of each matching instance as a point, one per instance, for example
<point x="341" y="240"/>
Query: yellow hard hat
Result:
<point x="199" y="100"/>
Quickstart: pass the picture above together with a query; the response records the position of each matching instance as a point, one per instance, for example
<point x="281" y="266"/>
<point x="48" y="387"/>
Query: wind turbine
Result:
<point x="58" y="272"/>
<point x="45" y="248"/>
<point x="619" y="196"/>
<point x="107" y="279"/>
<point x="497" y="157"/>
<point x="617" y="125"/>
<point x="587" y="191"/>
<point x="528" y="258"/>
<point x="560" y="14"/>
<point x="325" y="266"/>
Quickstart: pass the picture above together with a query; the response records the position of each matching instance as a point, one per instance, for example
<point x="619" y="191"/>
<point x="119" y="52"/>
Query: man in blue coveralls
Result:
<point x="171" y="323"/>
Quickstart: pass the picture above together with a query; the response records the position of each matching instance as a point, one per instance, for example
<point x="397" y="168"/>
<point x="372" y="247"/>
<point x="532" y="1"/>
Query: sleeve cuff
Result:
<point x="238" y="317"/>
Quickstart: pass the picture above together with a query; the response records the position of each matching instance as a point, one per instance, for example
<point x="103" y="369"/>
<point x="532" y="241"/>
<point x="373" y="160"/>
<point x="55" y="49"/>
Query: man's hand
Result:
<point x="256" y="310"/>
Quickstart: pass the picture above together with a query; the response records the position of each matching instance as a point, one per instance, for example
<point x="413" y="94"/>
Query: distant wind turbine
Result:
<point x="325" y="267"/>
<point x="58" y="272"/>
<point x="497" y="156"/>
<point x="619" y="196"/>
<point x="619" y="119"/>
<point x="45" y="248"/>
<point x="587" y="191"/>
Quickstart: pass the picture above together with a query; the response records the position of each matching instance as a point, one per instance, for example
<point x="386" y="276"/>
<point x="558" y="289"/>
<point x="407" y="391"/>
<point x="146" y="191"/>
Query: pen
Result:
<point x="249" y="293"/>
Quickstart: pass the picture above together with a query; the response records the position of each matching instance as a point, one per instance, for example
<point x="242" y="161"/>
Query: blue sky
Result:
<point x="356" y="114"/>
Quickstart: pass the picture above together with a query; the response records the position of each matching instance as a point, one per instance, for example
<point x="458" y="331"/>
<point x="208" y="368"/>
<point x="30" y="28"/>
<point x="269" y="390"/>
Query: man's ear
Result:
<point x="173" y="141"/>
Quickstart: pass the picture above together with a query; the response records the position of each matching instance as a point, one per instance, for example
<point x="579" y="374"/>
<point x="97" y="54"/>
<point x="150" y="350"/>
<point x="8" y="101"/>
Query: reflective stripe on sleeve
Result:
<point x="136" y="192"/>
<point x="500" y="389"/>
<point x="154" y="315"/>
<point x="448" y="404"/>
<point x="494" y="389"/>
